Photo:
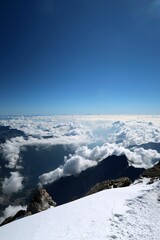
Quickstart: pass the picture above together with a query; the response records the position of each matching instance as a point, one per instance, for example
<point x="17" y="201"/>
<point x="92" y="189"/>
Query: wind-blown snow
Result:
<point x="124" y="213"/>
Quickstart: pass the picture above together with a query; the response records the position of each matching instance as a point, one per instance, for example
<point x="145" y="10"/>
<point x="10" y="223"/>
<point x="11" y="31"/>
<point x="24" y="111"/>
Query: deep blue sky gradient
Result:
<point x="80" y="57"/>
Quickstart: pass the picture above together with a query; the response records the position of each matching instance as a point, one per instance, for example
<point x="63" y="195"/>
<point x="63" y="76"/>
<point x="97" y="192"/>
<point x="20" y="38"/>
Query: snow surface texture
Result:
<point x="124" y="213"/>
<point x="141" y="221"/>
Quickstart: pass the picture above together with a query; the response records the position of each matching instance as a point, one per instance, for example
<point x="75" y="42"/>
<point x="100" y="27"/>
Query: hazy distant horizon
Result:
<point x="79" y="114"/>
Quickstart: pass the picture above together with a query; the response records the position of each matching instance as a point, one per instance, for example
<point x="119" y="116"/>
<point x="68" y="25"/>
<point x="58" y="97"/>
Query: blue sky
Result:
<point x="80" y="57"/>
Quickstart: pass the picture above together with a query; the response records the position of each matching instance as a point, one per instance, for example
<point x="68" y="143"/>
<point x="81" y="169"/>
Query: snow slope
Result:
<point x="125" y="213"/>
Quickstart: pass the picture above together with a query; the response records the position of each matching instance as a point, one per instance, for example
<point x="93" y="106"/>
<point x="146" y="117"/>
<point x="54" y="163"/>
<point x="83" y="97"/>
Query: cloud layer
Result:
<point x="79" y="130"/>
<point x="94" y="137"/>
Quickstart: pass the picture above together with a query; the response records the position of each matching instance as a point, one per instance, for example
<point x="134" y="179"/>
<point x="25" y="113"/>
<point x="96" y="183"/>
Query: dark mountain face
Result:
<point x="151" y="145"/>
<point x="69" y="188"/>
<point x="7" y="133"/>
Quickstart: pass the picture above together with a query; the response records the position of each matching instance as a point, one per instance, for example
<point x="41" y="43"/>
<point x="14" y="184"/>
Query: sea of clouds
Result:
<point x="94" y="138"/>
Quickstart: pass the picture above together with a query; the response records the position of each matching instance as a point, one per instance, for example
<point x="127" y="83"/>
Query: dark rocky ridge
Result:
<point x="117" y="183"/>
<point x="70" y="188"/>
<point x="153" y="172"/>
<point x="41" y="201"/>
<point x="18" y="215"/>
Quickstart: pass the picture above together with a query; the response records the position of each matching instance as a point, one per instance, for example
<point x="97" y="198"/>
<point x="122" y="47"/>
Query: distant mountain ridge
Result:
<point x="6" y="133"/>
<point x="70" y="188"/>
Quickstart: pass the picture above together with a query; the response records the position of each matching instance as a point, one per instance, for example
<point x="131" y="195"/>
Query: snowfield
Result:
<point x="124" y="213"/>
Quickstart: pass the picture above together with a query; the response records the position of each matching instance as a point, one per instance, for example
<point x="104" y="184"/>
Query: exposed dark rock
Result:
<point x="27" y="214"/>
<point x="100" y="186"/>
<point x="18" y="215"/>
<point x="7" y="220"/>
<point x="153" y="172"/>
<point x="151" y="181"/>
<point x="41" y="201"/>
<point x="120" y="182"/>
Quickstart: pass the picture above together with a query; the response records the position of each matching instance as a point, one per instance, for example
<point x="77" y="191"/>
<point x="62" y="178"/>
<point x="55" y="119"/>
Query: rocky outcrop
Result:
<point x="41" y="201"/>
<point x="120" y="182"/>
<point x="153" y="172"/>
<point x="7" y="220"/>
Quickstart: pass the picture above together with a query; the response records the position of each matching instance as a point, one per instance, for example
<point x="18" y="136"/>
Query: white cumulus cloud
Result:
<point x="51" y="176"/>
<point x="76" y="164"/>
<point x="12" y="184"/>
<point x="85" y="157"/>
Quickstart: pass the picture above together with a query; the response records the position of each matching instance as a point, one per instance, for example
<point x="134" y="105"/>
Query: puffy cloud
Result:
<point x="85" y="157"/>
<point x="76" y="164"/>
<point x="134" y="133"/>
<point x="140" y="157"/>
<point x="74" y="134"/>
<point x="11" y="150"/>
<point x="11" y="211"/>
<point x="98" y="153"/>
<point x="51" y="176"/>
<point x="12" y="184"/>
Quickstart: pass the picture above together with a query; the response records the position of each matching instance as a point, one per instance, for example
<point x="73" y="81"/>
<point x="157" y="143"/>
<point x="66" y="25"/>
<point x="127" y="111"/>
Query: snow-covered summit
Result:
<point x="124" y="213"/>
